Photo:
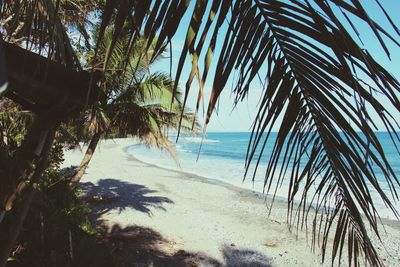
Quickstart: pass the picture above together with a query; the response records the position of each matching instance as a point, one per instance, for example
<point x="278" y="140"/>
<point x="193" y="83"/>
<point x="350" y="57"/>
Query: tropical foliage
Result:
<point x="137" y="103"/>
<point x="13" y="123"/>
<point x="59" y="232"/>
<point x="138" y="100"/>
<point x="316" y="74"/>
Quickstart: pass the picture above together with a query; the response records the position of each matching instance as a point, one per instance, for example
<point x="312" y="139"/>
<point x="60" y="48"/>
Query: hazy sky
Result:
<point x="241" y="117"/>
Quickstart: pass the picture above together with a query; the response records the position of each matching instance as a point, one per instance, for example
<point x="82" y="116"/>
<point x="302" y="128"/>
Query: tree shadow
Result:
<point x="142" y="246"/>
<point x="244" y="258"/>
<point x="111" y="194"/>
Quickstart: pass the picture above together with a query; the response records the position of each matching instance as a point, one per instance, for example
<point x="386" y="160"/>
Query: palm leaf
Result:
<point x="37" y="23"/>
<point x="314" y="74"/>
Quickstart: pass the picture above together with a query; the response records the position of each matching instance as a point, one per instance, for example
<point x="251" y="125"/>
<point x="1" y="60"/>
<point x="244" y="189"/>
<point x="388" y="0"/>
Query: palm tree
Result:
<point x="137" y="104"/>
<point x="138" y="114"/>
<point x="29" y="160"/>
<point x="315" y="72"/>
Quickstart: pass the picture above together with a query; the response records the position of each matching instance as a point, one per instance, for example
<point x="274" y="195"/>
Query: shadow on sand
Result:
<point x="110" y="194"/>
<point x="141" y="246"/>
<point x="244" y="257"/>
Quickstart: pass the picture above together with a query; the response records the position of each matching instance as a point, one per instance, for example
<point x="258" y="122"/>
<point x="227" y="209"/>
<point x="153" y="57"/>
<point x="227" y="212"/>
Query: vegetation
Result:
<point x="315" y="72"/>
<point x="134" y="104"/>
<point x="137" y="103"/>
<point x="59" y="232"/>
<point x="59" y="229"/>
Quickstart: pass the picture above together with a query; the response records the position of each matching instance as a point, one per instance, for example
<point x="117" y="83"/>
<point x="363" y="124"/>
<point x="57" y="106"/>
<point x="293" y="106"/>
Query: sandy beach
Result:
<point x="187" y="220"/>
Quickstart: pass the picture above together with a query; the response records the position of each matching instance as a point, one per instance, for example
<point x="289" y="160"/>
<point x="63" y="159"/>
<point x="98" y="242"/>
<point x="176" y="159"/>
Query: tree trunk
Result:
<point x="29" y="151"/>
<point x="8" y="245"/>
<point x="86" y="159"/>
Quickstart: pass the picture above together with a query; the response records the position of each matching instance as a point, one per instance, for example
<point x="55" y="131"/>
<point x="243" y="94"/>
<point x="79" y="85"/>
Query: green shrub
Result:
<point x="57" y="230"/>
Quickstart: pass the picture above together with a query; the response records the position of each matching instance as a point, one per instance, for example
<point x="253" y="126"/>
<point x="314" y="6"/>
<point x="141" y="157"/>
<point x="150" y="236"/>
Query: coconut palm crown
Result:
<point x="137" y="103"/>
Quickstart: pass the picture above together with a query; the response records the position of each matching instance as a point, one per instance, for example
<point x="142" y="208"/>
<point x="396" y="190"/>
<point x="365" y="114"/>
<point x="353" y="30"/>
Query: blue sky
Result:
<point x="241" y="118"/>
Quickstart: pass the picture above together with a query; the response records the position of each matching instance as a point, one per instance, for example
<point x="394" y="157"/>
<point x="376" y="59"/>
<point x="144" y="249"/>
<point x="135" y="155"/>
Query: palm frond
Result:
<point x="96" y="120"/>
<point x="37" y="26"/>
<point x="159" y="87"/>
<point x="313" y="78"/>
<point x="147" y="122"/>
<point x="314" y="72"/>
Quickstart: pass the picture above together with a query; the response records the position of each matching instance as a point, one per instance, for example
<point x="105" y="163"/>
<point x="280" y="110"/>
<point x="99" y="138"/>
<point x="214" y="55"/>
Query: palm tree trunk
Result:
<point x="15" y="229"/>
<point x="29" y="151"/>
<point x="86" y="159"/>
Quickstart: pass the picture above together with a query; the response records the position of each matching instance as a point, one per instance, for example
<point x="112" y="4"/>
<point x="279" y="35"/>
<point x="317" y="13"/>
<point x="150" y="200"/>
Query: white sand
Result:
<point x="225" y="223"/>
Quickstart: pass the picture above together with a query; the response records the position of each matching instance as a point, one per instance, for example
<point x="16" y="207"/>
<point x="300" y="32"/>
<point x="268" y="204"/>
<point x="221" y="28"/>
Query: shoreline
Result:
<point x="214" y="181"/>
<point x="203" y="215"/>
<point x="279" y="200"/>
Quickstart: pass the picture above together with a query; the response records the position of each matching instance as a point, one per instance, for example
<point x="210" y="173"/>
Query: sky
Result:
<point x="240" y="118"/>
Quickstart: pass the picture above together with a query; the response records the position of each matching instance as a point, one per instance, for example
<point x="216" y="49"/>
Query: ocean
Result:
<point x="222" y="157"/>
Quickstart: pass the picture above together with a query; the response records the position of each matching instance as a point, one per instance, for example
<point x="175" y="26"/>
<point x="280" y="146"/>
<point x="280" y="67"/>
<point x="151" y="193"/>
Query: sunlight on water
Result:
<point x="223" y="157"/>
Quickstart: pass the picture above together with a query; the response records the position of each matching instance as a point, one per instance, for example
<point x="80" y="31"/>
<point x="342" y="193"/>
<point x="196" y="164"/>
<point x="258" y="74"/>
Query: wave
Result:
<point x="225" y="162"/>
<point x="183" y="150"/>
<point x="199" y="140"/>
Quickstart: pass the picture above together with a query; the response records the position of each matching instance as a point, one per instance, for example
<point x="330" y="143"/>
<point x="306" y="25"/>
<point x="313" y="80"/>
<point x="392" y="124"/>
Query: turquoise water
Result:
<point x="223" y="155"/>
